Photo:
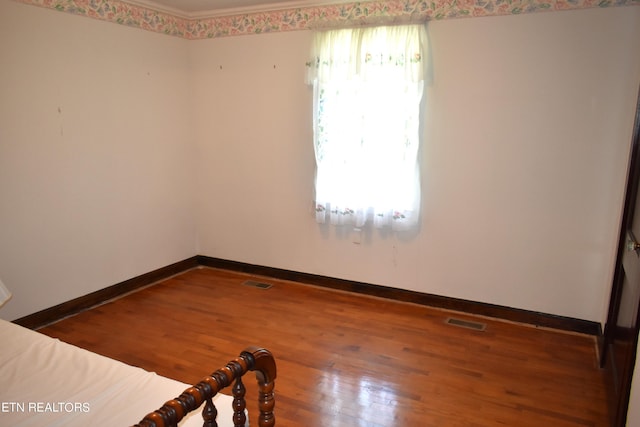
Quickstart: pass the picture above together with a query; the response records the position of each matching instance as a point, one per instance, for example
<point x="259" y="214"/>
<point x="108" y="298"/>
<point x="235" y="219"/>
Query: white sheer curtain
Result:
<point x="368" y="84"/>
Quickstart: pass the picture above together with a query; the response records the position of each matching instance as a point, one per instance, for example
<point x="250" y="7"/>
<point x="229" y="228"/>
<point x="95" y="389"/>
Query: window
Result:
<point x="368" y="86"/>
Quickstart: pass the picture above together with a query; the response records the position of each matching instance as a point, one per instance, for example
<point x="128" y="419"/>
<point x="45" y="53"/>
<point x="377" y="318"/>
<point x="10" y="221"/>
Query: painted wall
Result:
<point x="95" y="155"/>
<point x="122" y="151"/>
<point x="527" y="130"/>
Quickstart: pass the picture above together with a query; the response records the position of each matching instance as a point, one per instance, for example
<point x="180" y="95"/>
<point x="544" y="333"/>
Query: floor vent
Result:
<point x="476" y="326"/>
<point x="255" y="284"/>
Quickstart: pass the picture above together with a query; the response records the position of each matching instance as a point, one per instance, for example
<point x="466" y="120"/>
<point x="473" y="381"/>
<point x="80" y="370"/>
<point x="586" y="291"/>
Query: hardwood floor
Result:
<point x="350" y="360"/>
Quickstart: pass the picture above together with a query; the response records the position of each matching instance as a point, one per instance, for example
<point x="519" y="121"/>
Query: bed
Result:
<point x="46" y="382"/>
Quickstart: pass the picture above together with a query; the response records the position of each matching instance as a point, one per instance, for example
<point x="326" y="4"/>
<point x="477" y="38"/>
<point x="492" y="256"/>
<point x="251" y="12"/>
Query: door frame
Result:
<point x="619" y="392"/>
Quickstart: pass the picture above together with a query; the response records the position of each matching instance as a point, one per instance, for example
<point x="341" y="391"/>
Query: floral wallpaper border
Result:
<point x="390" y="11"/>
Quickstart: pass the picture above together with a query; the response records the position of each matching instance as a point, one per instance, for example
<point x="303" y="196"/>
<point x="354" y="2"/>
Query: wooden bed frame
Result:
<point x="251" y="359"/>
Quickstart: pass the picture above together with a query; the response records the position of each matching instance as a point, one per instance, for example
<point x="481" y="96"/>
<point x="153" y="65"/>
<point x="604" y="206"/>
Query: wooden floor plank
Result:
<point x="351" y="360"/>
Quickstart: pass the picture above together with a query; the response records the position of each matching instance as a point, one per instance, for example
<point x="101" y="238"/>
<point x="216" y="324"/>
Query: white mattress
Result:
<point x="46" y="382"/>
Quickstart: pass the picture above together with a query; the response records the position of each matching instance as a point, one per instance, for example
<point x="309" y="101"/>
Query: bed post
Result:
<point x="265" y="367"/>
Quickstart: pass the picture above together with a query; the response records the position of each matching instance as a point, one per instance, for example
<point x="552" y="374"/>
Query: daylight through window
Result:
<point x="368" y="86"/>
